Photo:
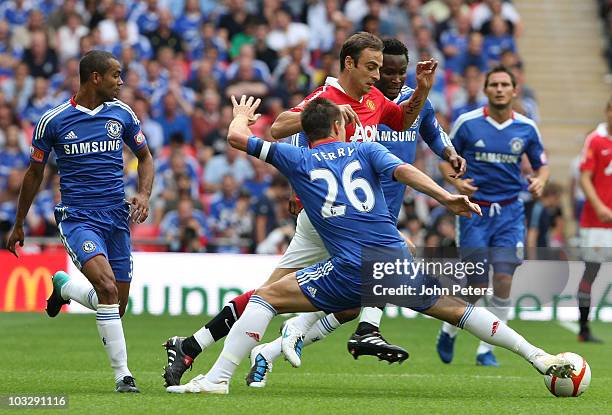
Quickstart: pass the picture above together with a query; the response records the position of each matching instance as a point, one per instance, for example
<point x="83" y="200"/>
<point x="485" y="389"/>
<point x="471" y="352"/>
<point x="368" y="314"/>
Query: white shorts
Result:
<point x="596" y="244"/>
<point x="306" y="247"/>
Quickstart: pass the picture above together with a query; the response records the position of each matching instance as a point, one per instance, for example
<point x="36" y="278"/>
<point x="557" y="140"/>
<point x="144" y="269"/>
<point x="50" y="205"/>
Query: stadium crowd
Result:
<point x="183" y="59"/>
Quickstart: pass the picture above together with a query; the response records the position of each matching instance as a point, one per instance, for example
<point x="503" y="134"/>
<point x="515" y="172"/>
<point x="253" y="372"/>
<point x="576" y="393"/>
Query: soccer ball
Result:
<point x="576" y="384"/>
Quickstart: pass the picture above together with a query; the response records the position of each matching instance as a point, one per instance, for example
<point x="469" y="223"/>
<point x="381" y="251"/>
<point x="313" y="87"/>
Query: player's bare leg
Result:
<point x="282" y="296"/>
<point x="584" y="301"/>
<point x="181" y="352"/>
<point x="486" y="326"/>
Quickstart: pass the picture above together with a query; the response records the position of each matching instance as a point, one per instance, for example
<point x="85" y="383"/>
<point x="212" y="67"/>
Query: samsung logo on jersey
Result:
<point x="92" y="147"/>
<point x="396" y="136"/>
<point x="496" y="157"/>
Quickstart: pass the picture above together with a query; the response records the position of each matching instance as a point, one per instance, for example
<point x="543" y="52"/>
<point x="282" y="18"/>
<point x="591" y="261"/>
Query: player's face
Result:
<point x="111" y="81"/>
<point x="392" y="75"/>
<point x="499" y="90"/>
<point x="365" y="73"/>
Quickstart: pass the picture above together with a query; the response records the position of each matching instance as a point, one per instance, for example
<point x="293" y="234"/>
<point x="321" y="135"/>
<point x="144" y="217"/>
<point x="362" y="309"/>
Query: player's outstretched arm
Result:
<point x="413" y="177"/>
<point x="287" y="123"/>
<point x="244" y="115"/>
<point x="425" y="73"/>
<point x="458" y="163"/>
<point x="463" y="186"/>
<point x="29" y="188"/>
<point x="140" y="202"/>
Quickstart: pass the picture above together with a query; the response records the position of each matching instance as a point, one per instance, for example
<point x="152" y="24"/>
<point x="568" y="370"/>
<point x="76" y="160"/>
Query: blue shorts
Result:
<point x="333" y="286"/>
<point x="87" y="233"/>
<point x="498" y="237"/>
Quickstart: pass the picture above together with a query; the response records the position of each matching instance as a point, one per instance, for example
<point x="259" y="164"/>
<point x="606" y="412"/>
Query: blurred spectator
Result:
<point x="40" y="58"/>
<point x="172" y="119"/>
<point x="8" y="202"/>
<point x="454" y="42"/>
<point x="229" y="163"/>
<point x="12" y="154"/>
<point x="185" y="228"/>
<point x="232" y="22"/>
<point x="497" y="41"/>
<point x="259" y="183"/>
<point x="152" y="130"/>
<point x="16" y="12"/>
<point x="22" y="35"/>
<point x="485" y="11"/>
<point x="68" y="36"/>
<point x="474" y="54"/>
<point x="19" y="88"/>
<point x="109" y="27"/>
<point x="285" y="33"/>
<point x="187" y="25"/>
<point x="472" y="97"/>
<point x="148" y="17"/>
<point x="265" y="208"/>
<point x="40" y="102"/>
<point x="164" y="35"/>
<point x="542" y="215"/>
<point x="262" y="51"/>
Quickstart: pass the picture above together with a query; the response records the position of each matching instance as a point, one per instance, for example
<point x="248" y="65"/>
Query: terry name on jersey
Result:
<point x="92" y="147"/>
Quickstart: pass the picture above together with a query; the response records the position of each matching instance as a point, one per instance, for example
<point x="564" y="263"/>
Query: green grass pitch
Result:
<point x="64" y="356"/>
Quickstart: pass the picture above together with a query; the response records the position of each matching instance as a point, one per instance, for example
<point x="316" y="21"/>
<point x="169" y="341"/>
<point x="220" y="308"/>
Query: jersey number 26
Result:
<point x="350" y="187"/>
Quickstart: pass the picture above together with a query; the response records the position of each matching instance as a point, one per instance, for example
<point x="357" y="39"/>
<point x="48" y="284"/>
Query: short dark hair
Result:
<point x="498" y="69"/>
<point x="317" y="118"/>
<point x="395" y="47"/>
<point x="357" y="43"/>
<point x="94" y="61"/>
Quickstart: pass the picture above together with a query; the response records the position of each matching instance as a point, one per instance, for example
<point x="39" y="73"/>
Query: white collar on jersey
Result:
<point x="85" y="109"/>
<point x="331" y="81"/>
<point x="602" y="130"/>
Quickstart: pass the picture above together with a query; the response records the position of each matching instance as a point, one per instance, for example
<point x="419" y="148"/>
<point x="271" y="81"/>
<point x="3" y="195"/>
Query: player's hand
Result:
<point x="139" y="210"/>
<point x="604" y="214"/>
<point x="461" y="205"/>
<point x="465" y="186"/>
<point x="16" y="235"/>
<point x="349" y="114"/>
<point x="457" y="162"/>
<point x="425" y="73"/>
<point x="246" y="107"/>
<point x="536" y="186"/>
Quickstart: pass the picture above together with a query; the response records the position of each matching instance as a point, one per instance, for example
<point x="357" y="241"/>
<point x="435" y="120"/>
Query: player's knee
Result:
<point x="107" y="291"/>
<point x="347" y="315"/>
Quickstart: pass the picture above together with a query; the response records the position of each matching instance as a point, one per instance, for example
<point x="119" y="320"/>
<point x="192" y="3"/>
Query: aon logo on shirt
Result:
<point x="364" y="133"/>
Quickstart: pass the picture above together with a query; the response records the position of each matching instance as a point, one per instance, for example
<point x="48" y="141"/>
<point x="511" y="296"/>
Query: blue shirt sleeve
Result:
<point x="457" y="136"/>
<point x="535" y="150"/>
<point x="382" y="160"/>
<point x="42" y="141"/>
<point x="133" y="136"/>
<point x="431" y="132"/>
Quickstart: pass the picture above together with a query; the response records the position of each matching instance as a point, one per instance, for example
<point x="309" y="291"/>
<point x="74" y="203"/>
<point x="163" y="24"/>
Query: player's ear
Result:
<point x="349" y="63"/>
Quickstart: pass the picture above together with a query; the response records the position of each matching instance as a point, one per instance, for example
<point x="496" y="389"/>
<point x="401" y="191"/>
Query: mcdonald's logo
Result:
<point x="30" y="282"/>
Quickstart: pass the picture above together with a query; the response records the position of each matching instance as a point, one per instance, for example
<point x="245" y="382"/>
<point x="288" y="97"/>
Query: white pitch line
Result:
<point x="418" y="375"/>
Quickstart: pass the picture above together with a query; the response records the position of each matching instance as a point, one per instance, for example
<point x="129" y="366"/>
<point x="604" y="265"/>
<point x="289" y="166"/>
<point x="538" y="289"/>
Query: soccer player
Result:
<point x="338" y="184"/>
<point x="87" y="134"/>
<point x="493" y="140"/>
<point x="596" y="218"/>
<point x="363" y="107"/>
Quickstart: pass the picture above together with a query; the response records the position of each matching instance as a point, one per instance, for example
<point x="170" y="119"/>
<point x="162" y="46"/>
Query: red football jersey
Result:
<point x="597" y="158"/>
<point x="372" y="109"/>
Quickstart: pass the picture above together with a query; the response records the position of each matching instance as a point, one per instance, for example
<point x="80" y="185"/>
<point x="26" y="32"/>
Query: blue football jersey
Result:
<point x="403" y="144"/>
<point x="339" y="187"/>
<point x="493" y="152"/>
<point x="89" y="149"/>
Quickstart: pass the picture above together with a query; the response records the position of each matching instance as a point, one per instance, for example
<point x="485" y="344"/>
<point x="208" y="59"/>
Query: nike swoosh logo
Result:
<point x="228" y="324"/>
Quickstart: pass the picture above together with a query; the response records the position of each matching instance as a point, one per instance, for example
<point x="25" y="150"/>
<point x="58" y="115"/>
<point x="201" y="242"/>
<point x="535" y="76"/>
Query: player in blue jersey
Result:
<point x="403" y="144"/>
<point x="338" y="184"/>
<point x="87" y="134"/>
<point x="493" y="139"/>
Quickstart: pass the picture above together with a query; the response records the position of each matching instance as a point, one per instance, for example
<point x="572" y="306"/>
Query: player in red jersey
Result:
<point x="596" y="218"/>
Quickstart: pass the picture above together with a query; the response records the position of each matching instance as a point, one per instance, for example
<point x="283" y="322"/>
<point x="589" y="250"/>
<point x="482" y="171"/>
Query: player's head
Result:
<point x="393" y="70"/>
<point x="500" y="87"/>
<point x="101" y="71"/>
<point x="322" y="119"/>
<point x="361" y="58"/>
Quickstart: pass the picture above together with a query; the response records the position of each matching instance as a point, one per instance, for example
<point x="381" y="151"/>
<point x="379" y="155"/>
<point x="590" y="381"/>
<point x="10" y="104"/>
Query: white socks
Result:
<point x="248" y="330"/>
<point x="80" y="291"/>
<point x="500" y="307"/>
<point x="203" y="337"/>
<point x="111" y="333"/>
<point x="371" y="315"/>
<point x="488" y="327"/>
<point x="318" y="331"/>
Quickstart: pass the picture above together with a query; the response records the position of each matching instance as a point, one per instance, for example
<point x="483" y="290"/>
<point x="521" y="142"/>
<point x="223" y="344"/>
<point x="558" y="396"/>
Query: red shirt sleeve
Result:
<point x="392" y="115"/>
<point x="317" y="92"/>
<point x="588" y="153"/>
